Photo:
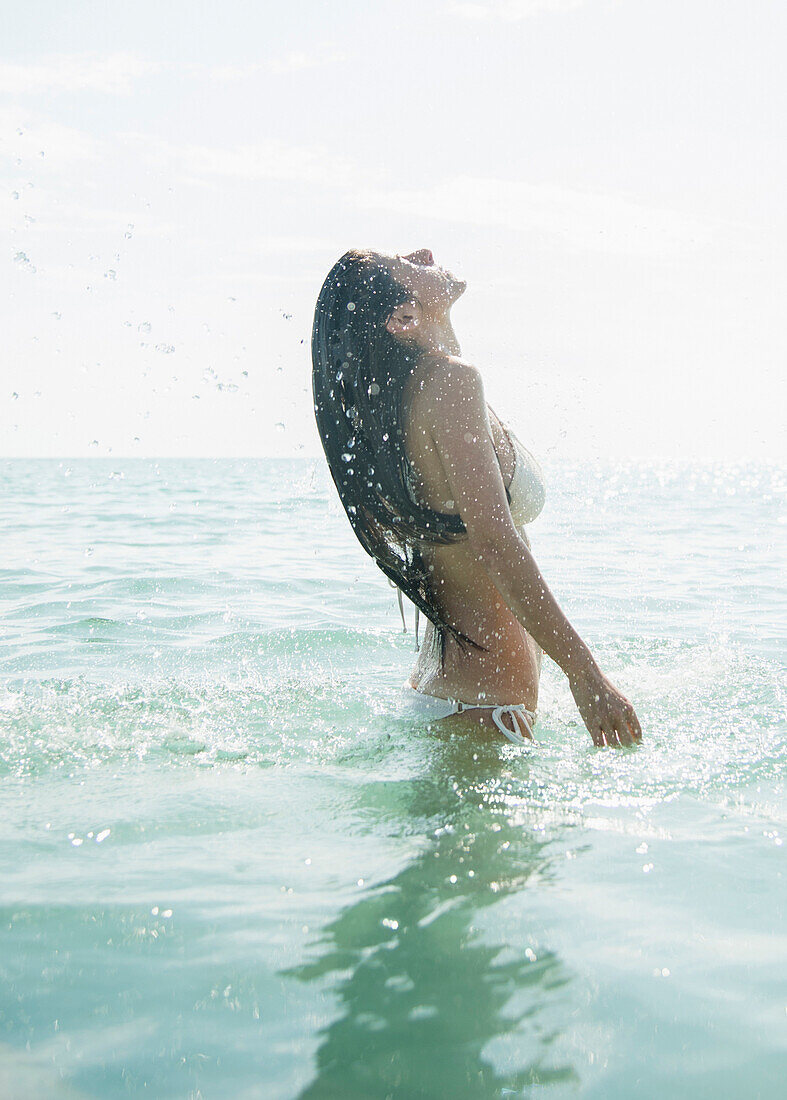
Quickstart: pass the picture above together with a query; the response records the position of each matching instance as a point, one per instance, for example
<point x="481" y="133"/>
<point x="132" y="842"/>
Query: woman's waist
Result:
<point x="476" y="609"/>
<point x="501" y="669"/>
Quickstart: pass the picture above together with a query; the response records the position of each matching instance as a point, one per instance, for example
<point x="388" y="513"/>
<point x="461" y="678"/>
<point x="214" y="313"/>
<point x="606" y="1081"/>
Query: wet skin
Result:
<point x="488" y="585"/>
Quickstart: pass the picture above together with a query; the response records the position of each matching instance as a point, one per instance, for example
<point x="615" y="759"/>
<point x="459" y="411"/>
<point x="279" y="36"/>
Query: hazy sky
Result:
<point x="608" y="175"/>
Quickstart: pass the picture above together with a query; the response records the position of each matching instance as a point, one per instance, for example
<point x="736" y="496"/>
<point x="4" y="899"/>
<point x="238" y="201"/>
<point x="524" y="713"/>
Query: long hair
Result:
<point x="358" y="378"/>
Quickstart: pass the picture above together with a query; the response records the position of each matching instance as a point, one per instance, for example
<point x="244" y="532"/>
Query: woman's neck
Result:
<point x="437" y="334"/>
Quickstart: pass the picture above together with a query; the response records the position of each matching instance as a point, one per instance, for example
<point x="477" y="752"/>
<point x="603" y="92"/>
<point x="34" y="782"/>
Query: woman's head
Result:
<point x="406" y="295"/>
<point x="367" y="340"/>
<point x="431" y="292"/>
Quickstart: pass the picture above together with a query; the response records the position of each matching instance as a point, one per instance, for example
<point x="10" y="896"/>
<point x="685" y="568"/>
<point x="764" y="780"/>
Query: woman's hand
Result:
<point x="608" y="714"/>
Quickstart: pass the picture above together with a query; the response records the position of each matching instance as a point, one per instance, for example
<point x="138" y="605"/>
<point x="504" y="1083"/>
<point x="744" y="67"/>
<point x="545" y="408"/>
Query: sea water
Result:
<point x="230" y="867"/>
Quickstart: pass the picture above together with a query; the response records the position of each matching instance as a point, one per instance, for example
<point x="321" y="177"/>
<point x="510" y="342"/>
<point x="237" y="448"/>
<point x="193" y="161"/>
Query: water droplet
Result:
<point x="374" y="389"/>
<point x="351" y="306"/>
<point x="23" y="260"/>
<point x="111" y="275"/>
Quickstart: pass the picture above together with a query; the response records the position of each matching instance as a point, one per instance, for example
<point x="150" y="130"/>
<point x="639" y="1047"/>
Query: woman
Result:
<point x="437" y="491"/>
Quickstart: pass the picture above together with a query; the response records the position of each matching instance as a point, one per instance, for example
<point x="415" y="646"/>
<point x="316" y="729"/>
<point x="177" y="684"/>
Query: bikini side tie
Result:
<point x="512" y="712"/>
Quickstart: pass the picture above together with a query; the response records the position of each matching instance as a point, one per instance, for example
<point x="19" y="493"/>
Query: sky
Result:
<point x="176" y="179"/>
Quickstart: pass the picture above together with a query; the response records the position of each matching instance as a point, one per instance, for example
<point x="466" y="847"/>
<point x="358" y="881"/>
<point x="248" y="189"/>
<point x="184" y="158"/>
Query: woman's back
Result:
<point x="507" y="666"/>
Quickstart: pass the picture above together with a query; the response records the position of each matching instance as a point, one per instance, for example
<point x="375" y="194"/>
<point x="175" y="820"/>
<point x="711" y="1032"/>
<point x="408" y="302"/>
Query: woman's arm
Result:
<point x="608" y="715"/>
<point x="461" y="433"/>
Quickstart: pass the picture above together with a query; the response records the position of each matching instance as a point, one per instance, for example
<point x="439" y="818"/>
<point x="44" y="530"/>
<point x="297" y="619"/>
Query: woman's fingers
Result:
<point x="634" y="724"/>
<point x="617" y="731"/>
<point x="608" y="715"/>
<point x="624" y="732"/>
<point x="609" y="737"/>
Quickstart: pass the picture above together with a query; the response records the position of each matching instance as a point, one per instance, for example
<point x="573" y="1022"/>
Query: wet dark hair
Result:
<point x="358" y="377"/>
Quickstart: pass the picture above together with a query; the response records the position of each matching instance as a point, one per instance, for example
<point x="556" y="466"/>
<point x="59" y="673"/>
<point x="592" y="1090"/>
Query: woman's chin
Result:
<point x="456" y="288"/>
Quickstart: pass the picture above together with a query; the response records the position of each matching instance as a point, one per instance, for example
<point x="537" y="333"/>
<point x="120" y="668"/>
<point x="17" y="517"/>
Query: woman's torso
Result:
<point x="506" y="671"/>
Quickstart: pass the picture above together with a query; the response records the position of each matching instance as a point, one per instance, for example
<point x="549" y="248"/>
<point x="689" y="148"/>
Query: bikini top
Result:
<point x="527" y="491"/>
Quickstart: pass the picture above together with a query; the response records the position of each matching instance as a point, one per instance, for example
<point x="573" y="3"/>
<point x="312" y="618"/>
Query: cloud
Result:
<point x="113" y="74"/>
<point x="33" y="138"/>
<point x="231" y="74"/>
<point x="292" y="62"/>
<point x="510" y="11"/>
<point x="601" y="222"/>
<point x="271" y="160"/>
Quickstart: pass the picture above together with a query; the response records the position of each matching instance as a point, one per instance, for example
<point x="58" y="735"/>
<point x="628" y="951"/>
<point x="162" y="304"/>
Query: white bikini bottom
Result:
<point x="429" y="706"/>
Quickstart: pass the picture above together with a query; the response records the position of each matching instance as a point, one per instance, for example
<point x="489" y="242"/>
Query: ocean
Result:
<point x="230" y="868"/>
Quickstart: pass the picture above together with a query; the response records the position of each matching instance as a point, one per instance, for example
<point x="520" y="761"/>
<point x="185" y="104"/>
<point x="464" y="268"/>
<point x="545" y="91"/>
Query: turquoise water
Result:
<point x="230" y="869"/>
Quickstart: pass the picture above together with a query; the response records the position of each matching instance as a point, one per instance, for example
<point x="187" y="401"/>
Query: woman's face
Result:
<point x="434" y="287"/>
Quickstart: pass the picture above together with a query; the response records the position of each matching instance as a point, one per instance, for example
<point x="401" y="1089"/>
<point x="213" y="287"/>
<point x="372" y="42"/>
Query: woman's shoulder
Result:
<point x="442" y="375"/>
<point x="444" y="361"/>
<point x="439" y="390"/>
